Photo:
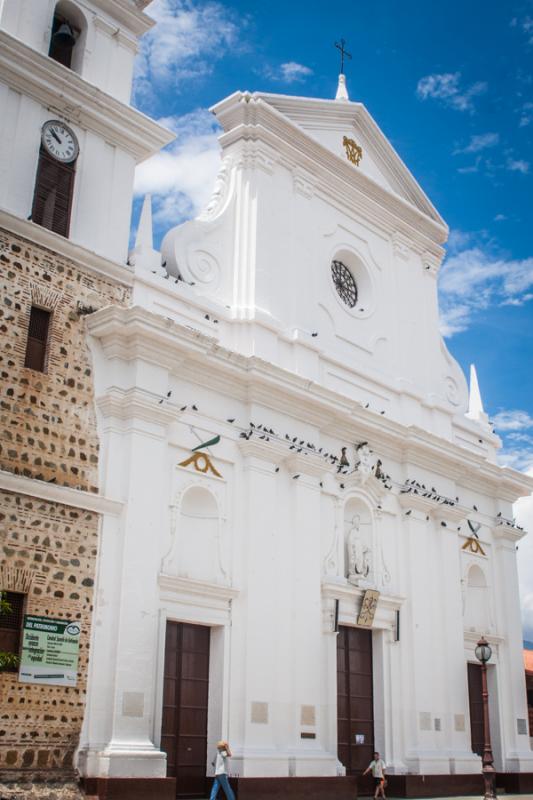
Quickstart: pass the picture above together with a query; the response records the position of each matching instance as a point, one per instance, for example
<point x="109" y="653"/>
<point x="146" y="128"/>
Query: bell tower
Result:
<point x="69" y="144"/>
<point x="70" y="140"/>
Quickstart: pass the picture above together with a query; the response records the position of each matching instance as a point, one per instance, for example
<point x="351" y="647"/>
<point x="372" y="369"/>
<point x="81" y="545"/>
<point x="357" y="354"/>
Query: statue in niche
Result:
<point x="364" y="464"/>
<point x="359" y="554"/>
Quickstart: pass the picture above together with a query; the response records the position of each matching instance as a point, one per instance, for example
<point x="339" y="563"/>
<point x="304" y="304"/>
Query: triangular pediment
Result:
<point x="329" y="121"/>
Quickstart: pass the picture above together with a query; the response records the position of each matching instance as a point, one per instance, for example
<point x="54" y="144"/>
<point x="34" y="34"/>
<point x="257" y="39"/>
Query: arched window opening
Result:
<point x="67" y="38"/>
<point x="477" y="616"/>
<point x="54" y="182"/>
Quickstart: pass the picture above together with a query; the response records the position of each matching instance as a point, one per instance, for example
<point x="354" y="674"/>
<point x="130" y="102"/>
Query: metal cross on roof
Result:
<point x="344" y="52"/>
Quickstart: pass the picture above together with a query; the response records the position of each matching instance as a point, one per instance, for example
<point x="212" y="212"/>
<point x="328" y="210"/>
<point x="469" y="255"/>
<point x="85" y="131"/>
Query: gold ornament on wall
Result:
<point x="354" y="152"/>
<point x="473" y="545"/>
<point x="201" y="463"/>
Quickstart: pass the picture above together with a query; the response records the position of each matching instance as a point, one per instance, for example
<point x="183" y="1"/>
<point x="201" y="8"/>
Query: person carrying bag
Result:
<point x="221" y="772"/>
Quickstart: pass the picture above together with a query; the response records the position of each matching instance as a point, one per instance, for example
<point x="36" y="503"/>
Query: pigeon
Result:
<point x="342" y="485"/>
<point x="277" y="469"/>
<point x="315" y="333"/>
<point x="183" y="408"/>
<point x="475" y="508"/>
<point x="294" y="477"/>
<point x="444" y="524"/>
<point x="194" y="408"/>
<point x="407" y="513"/>
<point x="169" y="393"/>
<point x="321" y="484"/>
<point x="381" y="412"/>
<point x="231" y="420"/>
<point x="344" y="461"/>
<point x="367" y="404"/>
<point x="206" y="316"/>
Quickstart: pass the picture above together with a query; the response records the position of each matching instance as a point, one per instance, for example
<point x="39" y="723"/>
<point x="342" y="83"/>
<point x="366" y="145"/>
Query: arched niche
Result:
<point x="68" y="13"/>
<point x="196" y="551"/>
<point x="358" y="543"/>
<point x="476" y="612"/>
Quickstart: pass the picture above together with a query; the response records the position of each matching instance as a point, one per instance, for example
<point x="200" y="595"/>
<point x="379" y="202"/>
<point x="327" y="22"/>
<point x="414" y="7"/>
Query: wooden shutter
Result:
<point x="11" y="623"/>
<point x="52" y="199"/>
<point x="37" y="339"/>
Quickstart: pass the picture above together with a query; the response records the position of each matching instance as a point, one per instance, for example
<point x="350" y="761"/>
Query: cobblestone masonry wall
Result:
<point x="47" y="420"/>
<point x="48" y="550"/>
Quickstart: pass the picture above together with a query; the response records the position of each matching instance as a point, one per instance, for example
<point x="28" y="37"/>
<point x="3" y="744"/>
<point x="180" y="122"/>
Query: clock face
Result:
<point x="59" y="141"/>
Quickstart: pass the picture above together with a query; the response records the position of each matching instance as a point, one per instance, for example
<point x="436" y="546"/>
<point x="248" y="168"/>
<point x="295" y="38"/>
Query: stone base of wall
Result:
<point x="130" y="788"/>
<point x="23" y="788"/>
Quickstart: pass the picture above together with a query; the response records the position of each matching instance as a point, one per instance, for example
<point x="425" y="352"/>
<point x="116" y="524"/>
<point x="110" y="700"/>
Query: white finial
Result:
<point x="145" y="238"/>
<point x="342" y="91"/>
<point x="143" y="255"/>
<point x="475" y="404"/>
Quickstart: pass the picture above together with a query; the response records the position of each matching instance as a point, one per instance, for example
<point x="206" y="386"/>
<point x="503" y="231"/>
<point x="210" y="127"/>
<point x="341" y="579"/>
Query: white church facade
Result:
<point x="315" y="531"/>
<point x="302" y="527"/>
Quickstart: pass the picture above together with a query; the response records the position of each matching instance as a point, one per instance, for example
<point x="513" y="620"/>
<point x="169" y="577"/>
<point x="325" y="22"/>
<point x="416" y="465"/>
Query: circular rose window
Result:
<point x="344" y="283"/>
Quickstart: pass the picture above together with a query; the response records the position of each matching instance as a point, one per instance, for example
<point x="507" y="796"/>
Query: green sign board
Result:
<point x="49" y="651"/>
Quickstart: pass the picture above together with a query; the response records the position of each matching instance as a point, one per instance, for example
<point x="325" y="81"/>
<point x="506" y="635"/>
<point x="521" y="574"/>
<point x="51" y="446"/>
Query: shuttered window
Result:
<point x="37" y="339"/>
<point x="11" y="624"/>
<point x="52" y="200"/>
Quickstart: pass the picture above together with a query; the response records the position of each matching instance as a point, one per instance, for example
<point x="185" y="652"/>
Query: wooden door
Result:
<point x="355" y="700"/>
<point x="185" y="696"/>
<point x="475" y="701"/>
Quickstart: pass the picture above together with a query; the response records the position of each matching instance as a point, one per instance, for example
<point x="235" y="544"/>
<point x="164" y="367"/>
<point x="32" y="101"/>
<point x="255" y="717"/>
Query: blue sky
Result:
<point x="450" y="85"/>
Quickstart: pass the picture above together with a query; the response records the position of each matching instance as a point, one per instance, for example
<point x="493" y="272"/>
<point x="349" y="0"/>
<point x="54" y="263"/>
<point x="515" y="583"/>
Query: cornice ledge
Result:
<point x="214" y="591"/>
<point x="439" y="511"/>
<point x="128" y="14"/>
<point x="312" y="466"/>
<point x="59" y="88"/>
<point x="87" y="259"/>
<point x="509" y="532"/>
<point x="272" y="452"/>
<point x="126" y="404"/>
<point x="346" y="591"/>
<point x="75" y="498"/>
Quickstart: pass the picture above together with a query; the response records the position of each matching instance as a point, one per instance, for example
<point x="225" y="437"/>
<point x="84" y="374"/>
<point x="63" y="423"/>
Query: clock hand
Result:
<point x="56" y="137"/>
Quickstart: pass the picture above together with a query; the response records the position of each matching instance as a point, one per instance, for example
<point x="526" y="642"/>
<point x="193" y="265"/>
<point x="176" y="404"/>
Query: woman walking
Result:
<point x="221" y="772"/>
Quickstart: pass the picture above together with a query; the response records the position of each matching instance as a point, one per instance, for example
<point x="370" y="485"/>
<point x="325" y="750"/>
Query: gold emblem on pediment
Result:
<point x="473" y="545"/>
<point x="201" y="463"/>
<point x="354" y="152"/>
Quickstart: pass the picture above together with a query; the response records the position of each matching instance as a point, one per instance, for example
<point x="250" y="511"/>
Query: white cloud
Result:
<point x="526" y="115"/>
<point x="513" y="420"/>
<point x="184" y="44"/>
<point x="291" y="72"/>
<point x="288" y="72"/>
<point x="182" y="176"/>
<point x="500" y="218"/>
<point x="446" y="88"/>
<point x="517" y="165"/>
<point x="473" y="278"/>
<point x="479" y="142"/>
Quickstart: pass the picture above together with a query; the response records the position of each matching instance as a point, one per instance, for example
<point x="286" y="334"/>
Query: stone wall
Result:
<point x="48" y="550"/>
<point x="47" y="419"/>
<point x="49" y="553"/>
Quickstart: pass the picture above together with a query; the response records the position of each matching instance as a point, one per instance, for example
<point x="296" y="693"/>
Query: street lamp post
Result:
<point x="483" y="654"/>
